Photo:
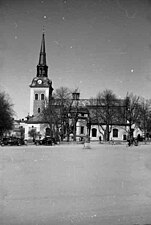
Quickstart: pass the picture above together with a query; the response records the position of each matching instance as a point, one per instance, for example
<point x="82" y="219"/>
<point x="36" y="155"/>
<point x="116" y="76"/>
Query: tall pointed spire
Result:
<point x="42" y="57"/>
<point x="42" y="68"/>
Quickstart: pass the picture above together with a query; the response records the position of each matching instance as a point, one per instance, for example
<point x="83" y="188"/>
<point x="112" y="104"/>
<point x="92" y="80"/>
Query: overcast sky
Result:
<point x="90" y="44"/>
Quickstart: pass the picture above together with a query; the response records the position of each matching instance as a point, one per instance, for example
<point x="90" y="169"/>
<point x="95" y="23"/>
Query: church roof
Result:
<point x="38" y="118"/>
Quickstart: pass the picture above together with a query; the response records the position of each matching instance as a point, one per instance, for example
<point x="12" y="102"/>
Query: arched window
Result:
<point x="42" y="96"/>
<point x="36" y="96"/>
<point x="48" y="131"/>
<point x="94" y="132"/>
<point x="115" y="132"/>
<point x="124" y="137"/>
<point x="38" y="110"/>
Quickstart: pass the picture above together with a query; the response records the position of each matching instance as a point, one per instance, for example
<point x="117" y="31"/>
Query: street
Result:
<point x="67" y="184"/>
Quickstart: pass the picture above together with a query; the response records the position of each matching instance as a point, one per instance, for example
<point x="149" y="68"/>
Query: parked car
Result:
<point x="140" y="138"/>
<point x="45" y="141"/>
<point x="12" y="141"/>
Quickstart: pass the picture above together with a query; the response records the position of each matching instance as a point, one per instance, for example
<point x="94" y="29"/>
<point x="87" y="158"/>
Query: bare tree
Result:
<point x="62" y="93"/>
<point x="106" y="112"/>
<point x="6" y="113"/>
<point x="63" y="111"/>
<point x="144" y="120"/>
<point x="33" y="133"/>
<point x="133" y="112"/>
<point x="22" y="132"/>
<point x="63" y="99"/>
<point x="56" y="113"/>
<point x="51" y="115"/>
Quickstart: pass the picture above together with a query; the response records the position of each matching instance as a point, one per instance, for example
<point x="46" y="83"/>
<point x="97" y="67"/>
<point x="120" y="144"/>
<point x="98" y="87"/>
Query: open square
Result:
<point x="66" y="184"/>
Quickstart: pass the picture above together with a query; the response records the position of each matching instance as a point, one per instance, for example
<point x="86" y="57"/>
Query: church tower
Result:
<point x="41" y="86"/>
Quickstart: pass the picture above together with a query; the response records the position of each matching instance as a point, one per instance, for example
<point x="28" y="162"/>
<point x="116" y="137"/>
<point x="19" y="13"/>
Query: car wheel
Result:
<point x="18" y="143"/>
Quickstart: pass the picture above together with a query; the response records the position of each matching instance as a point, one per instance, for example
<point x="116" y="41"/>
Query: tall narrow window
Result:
<point x="94" y="132"/>
<point x="42" y="97"/>
<point x="82" y="130"/>
<point x="115" y="132"/>
<point x="38" y="110"/>
<point x="36" y="96"/>
<point x="41" y="71"/>
<point x="48" y="131"/>
<point x="124" y="137"/>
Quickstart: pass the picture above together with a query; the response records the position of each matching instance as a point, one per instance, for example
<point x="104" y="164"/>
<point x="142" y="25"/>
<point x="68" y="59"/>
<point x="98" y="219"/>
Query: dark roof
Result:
<point x="45" y="82"/>
<point x="36" y="119"/>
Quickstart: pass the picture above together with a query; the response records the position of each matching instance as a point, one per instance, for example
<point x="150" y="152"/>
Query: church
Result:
<point x="40" y="94"/>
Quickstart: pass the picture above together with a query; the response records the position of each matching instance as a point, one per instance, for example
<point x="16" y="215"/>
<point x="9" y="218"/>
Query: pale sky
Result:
<point x="90" y="44"/>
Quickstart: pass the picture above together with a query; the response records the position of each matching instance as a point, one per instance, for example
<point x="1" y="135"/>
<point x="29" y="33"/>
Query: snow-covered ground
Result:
<point x="66" y="184"/>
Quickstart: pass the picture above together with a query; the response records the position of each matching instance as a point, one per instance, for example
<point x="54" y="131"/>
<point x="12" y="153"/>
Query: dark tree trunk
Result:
<point x="74" y="131"/>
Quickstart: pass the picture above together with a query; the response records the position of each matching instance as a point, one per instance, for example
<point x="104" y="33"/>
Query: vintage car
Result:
<point x="45" y="141"/>
<point x="12" y="141"/>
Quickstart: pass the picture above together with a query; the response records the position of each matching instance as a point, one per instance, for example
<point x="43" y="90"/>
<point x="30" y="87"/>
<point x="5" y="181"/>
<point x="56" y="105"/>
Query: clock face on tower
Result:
<point x="39" y="81"/>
